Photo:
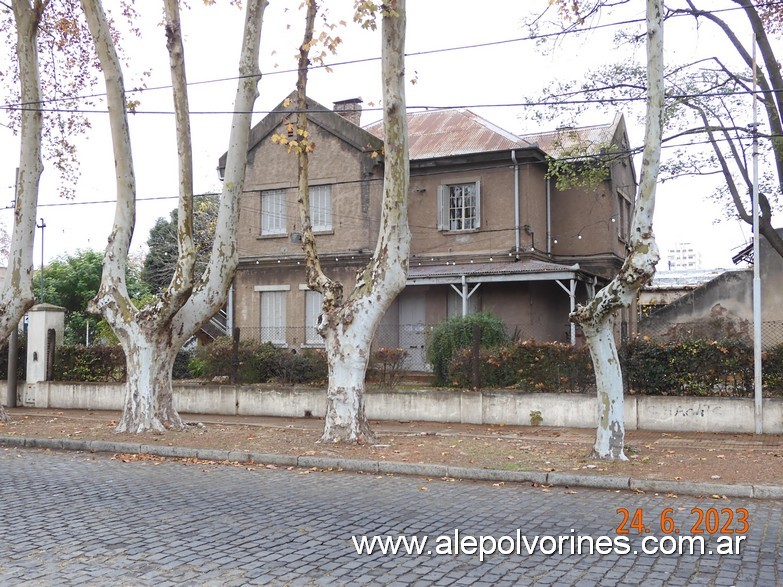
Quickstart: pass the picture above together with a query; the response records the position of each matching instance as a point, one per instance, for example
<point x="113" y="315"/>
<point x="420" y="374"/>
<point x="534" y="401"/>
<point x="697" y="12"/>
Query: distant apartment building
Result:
<point x="683" y="256"/>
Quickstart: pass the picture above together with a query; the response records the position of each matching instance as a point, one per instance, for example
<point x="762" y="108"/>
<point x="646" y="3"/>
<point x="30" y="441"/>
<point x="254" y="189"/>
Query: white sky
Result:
<point x="501" y="74"/>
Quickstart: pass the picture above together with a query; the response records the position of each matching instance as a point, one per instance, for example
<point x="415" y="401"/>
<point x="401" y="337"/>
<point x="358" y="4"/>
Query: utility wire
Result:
<point x="533" y="37"/>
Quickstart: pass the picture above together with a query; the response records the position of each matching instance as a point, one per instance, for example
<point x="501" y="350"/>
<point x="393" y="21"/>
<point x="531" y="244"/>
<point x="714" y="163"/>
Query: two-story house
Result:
<point x="490" y="230"/>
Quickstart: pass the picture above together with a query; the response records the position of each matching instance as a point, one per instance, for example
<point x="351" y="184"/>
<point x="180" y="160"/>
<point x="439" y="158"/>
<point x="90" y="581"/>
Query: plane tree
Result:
<point x="597" y="316"/>
<point x="45" y="61"/>
<point x="708" y="110"/>
<point x="152" y="334"/>
<point x="349" y="319"/>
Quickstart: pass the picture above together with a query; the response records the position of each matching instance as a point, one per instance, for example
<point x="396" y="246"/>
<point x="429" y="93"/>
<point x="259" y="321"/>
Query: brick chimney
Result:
<point x="351" y="110"/>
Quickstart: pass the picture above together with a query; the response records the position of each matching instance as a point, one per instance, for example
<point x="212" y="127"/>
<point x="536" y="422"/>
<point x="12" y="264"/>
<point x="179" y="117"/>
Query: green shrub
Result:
<point x="181" y="368"/>
<point x="259" y="362"/>
<point x="528" y="365"/>
<point x="21" y="359"/>
<point x="690" y="367"/>
<point x="89" y="363"/>
<point x="454" y="334"/>
<point x="772" y="370"/>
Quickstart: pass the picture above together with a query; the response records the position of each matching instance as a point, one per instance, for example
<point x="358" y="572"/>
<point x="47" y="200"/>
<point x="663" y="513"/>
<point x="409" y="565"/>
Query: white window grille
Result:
<point x="273" y="219"/>
<point x="459" y="206"/>
<point x="321" y="207"/>
<point x="273" y="317"/>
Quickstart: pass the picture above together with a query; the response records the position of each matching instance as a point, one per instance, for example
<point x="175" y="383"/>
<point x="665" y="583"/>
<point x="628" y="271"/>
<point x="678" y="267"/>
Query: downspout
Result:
<point x="517" y="236"/>
<point x="549" y="216"/>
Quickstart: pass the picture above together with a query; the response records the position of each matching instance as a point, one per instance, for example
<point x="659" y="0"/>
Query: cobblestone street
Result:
<point x="82" y="519"/>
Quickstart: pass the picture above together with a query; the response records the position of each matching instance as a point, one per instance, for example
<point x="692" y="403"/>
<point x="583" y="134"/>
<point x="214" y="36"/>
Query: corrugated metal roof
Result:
<point x="445" y="133"/>
<point x="479" y="269"/>
<point x="574" y="141"/>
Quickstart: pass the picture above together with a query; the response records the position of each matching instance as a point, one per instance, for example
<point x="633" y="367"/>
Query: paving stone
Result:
<point x="72" y="519"/>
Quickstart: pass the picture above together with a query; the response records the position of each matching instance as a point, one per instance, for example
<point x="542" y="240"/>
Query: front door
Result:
<point x="412" y="330"/>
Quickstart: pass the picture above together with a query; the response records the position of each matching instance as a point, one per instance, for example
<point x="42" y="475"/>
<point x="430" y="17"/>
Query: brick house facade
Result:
<point x="490" y="231"/>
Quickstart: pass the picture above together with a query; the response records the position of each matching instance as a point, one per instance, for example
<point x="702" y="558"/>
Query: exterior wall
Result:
<point x="511" y="408"/>
<point x="729" y="296"/>
<point x="355" y="204"/>
<point x="539" y="309"/>
<point x="771" y="272"/>
<point x="496" y="233"/>
<point x="289" y="278"/>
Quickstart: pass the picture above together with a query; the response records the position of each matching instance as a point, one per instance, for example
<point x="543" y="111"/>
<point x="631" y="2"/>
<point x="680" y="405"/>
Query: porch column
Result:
<point x="571" y="291"/>
<point x="464" y="294"/>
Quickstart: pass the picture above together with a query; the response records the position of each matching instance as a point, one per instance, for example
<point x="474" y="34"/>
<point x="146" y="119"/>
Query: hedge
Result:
<point x="699" y="367"/>
<point x="259" y="363"/>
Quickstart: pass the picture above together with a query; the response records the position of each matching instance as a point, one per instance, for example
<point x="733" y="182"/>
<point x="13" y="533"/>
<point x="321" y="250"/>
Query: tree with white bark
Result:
<point x="597" y="316"/>
<point x="16" y="297"/>
<point x="708" y="104"/>
<point x="28" y="18"/>
<point x="348" y="321"/>
<point x="152" y="335"/>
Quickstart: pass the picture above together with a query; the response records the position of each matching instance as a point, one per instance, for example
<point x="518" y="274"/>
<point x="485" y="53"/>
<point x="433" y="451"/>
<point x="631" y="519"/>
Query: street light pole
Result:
<point x="42" y="225"/>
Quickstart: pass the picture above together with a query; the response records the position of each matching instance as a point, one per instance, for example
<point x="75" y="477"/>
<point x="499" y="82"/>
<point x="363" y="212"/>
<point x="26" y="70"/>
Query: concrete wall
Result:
<point x="676" y="414"/>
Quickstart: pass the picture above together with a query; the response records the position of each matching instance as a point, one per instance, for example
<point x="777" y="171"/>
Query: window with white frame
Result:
<point x="321" y="207"/>
<point x="459" y="206"/>
<point x="273" y="220"/>
<point x="273" y="317"/>
<point x="313" y="300"/>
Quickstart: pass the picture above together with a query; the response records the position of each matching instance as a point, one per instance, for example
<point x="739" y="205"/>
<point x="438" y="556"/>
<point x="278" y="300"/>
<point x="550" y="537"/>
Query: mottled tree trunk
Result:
<point x="148" y="391"/>
<point x="597" y="316"/>
<point x="152" y="336"/>
<point x="610" y="434"/>
<point x="349" y="323"/>
<point x="348" y="355"/>
<point x="16" y="296"/>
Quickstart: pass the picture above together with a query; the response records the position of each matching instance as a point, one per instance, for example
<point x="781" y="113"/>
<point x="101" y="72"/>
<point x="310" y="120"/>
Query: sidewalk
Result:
<point x="712" y="465"/>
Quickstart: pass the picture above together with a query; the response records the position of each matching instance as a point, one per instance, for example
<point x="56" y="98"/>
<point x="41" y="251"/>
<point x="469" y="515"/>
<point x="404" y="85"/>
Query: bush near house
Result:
<point x="701" y="367"/>
<point x="693" y="367"/>
<point x="454" y="334"/>
<point x="529" y="366"/>
<point x="259" y="363"/>
<point x="386" y="367"/>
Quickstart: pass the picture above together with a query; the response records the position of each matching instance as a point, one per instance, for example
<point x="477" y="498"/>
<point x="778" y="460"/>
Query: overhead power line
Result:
<point x="532" y="37"/>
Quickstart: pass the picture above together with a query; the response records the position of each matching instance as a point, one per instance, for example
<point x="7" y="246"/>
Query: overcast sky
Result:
<point x="501" y="75"/>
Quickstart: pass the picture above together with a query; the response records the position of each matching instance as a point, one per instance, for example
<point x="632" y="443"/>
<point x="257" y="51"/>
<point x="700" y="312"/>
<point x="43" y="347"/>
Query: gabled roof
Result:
<point x="583" y="140"/>
<point x="318" y="114"/>
<point x="444" y="133"/>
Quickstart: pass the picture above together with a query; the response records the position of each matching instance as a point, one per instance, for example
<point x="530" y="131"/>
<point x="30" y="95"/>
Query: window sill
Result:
<point x="312" y="345"/>
<point x="465" y="231"/>
<point x="261" y="237"/>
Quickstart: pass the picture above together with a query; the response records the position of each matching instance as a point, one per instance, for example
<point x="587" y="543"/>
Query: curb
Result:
<point x="399" y="468"/>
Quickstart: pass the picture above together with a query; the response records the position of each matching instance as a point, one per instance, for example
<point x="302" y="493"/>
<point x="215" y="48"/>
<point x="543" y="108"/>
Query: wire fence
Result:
<point x="715" y="329"/>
